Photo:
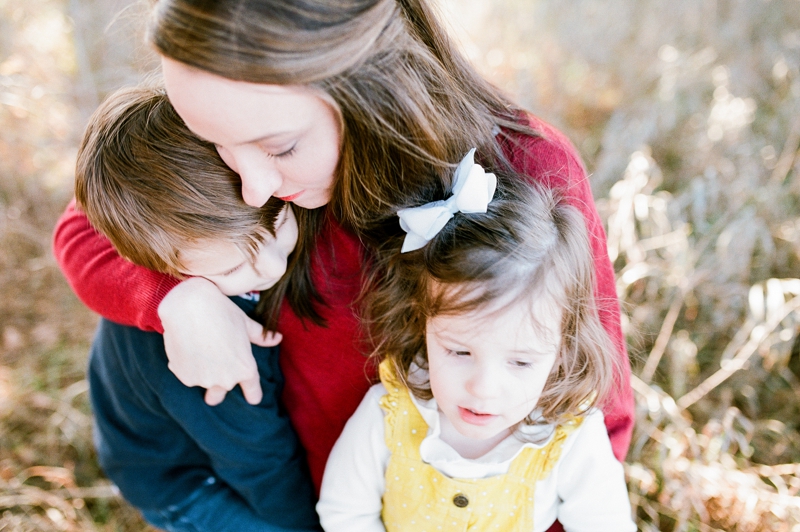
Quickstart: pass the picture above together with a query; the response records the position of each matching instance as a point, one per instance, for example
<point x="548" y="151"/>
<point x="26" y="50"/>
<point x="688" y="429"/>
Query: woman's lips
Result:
<point x="475" y="418"/>
<point x="291" y="197"/>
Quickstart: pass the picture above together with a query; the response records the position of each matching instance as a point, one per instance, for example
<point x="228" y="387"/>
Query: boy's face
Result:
<point x="233" y="272"/>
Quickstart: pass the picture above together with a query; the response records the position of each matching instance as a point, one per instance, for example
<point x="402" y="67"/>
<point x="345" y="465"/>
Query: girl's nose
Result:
<point x="484" y="383"/>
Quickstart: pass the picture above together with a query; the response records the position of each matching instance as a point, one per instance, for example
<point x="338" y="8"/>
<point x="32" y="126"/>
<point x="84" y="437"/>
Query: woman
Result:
<point x="354" y="108"/>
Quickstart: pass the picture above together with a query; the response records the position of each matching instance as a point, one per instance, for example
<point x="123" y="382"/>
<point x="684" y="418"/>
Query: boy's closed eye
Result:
<point x="232" y="270"/>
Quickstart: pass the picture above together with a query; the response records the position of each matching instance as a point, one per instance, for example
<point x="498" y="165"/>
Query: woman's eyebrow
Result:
<point x="268" y="136"/>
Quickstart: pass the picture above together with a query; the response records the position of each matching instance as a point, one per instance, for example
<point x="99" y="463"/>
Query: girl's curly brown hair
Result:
<point x="529" y="244"/>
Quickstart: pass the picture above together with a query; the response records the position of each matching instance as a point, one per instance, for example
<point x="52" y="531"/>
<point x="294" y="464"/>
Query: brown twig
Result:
<point x="788" y="154"/>
<point x="738" y="361"/>
<point x="660" y="345"/>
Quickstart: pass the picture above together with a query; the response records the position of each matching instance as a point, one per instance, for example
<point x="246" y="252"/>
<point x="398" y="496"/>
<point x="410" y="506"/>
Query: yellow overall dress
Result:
<point x="418" y="498"/>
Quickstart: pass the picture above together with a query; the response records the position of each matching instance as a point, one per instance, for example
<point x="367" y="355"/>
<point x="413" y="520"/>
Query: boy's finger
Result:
<point x="251" y="389"/>
<point x="215" y="395"/>
<point x="256" y="333"/>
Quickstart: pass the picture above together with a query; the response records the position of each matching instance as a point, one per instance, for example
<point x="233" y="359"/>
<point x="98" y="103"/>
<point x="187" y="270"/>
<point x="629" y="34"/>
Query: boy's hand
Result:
<point x="207" y="339"/>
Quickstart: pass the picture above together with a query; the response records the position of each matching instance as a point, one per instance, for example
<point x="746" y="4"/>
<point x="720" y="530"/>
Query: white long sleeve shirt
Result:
<point x="585" y="491"/>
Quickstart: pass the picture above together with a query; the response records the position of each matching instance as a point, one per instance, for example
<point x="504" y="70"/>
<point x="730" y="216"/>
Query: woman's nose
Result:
<point x="260" y="179"/>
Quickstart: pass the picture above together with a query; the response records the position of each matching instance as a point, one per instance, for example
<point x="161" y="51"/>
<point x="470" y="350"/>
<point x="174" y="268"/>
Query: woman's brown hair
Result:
<point x="153" y="189"/>
<point x="530" y="244"/>
<point x="408" y="100"/>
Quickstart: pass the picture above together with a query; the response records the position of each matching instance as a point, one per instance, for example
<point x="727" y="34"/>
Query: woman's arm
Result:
<point x="106" y="283"/>
<point x="552" y="161"/>
<point x="353" y="485"/>
<point x="206" y="336"/>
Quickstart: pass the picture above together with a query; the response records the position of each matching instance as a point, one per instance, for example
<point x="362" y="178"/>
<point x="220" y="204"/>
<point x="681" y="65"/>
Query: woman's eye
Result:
<point x="287" y="153"/>
<point x="269" y="149"/>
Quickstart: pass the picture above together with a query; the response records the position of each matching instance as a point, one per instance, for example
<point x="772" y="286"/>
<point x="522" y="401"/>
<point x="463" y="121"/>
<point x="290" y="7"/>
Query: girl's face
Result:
<point x="234" y="273"/>
<point x="488" y="368"/>
<point x="283" y="141"/>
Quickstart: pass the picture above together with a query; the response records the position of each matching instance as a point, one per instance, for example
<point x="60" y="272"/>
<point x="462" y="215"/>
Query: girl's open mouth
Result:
<point x="475" y="418"/>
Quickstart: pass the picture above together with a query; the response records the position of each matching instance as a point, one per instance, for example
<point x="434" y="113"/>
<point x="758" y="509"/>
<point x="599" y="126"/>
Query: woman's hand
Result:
<point x="207" y="339"/>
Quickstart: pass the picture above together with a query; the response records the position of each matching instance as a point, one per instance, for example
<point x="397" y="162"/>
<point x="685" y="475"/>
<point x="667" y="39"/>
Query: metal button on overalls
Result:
<point x="461" y="500"/>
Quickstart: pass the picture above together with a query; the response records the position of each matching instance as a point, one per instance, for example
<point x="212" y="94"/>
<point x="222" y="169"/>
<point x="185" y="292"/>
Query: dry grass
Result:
<point x="49" y="479"/>
<point x="687" y="113"/>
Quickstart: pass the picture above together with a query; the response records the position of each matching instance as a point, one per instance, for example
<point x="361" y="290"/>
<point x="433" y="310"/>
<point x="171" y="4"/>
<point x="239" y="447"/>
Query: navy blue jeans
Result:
<point x="213" y="507"/>
<point x="186" y="465"/>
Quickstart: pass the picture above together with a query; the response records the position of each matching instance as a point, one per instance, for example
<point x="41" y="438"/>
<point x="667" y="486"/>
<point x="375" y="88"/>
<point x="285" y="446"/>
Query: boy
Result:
<point x="166" y="201"/>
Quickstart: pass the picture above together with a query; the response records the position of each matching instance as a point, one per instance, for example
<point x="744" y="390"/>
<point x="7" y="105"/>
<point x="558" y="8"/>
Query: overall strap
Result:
<point x="537" y="463"/>
<point x="405" y="428"/>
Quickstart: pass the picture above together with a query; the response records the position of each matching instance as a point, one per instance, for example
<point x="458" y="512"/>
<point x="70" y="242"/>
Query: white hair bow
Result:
<point x="473" y="189"/>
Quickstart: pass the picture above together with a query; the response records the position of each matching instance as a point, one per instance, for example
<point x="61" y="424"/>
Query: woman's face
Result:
<point x="282" y="140"/>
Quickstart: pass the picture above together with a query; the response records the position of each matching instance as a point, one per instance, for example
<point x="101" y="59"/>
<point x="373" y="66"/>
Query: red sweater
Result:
<point x="324" y="367"/>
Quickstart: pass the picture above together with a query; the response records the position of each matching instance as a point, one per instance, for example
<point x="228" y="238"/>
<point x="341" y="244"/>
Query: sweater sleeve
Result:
<point x="552" y="161"/>
<point x="107" y="283"/>
<point x="353" y="485"/>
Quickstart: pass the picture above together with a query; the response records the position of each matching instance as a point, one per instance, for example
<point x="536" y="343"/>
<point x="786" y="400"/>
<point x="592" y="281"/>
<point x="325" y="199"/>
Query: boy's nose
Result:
<point x="270" y="265"/>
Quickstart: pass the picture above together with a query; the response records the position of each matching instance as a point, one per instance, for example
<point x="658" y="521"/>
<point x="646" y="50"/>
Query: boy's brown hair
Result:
<point x="530" y="244"/>
<point x="153" y="188"/>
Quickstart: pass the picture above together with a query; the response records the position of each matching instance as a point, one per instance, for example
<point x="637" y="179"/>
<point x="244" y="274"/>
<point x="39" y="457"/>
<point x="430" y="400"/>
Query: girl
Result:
<point x="351" y="108"/>
<point x="494" y="362"/>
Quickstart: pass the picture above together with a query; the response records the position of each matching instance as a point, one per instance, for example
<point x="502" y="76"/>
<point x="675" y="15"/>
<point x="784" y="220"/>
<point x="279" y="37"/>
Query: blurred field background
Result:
<point x="687" y="114"/>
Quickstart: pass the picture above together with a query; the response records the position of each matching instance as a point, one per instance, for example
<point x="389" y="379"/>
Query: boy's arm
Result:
<point x="591" y="483"/>
<point x="353" y="485"/>
<point x="207" y="337"/>
<point x="160" y="443"/>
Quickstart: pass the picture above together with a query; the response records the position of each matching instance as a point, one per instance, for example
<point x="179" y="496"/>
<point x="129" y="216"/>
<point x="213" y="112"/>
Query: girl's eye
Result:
<point x="460" y="353"/>
<point x="521" y="364"/>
